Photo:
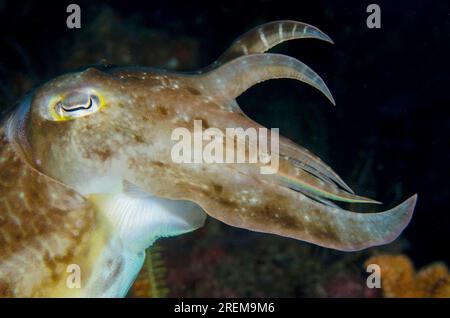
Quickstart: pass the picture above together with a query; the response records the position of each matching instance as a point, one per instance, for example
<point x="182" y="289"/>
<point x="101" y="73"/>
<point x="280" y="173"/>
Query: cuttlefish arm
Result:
<point x="246" y="201"/>
<point x="299" y="207"/>
<point x="302" y="188"/>
<point x="295" y="202"/>
<point x="259" y="40"/>
<point x="264" y="37"/>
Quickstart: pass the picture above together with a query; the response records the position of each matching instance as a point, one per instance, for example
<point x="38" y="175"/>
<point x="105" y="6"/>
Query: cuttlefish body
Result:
<point x="88" y="180"/>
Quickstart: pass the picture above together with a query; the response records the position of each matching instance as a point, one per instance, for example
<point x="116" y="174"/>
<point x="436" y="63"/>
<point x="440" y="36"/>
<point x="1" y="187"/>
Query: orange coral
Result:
<point x="399" y="279"/>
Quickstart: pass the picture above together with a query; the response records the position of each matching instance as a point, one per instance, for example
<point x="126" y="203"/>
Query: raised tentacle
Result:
<point x="233" y="78"/>
<point x="268" y="66"/>
<point x="262" y="38"/>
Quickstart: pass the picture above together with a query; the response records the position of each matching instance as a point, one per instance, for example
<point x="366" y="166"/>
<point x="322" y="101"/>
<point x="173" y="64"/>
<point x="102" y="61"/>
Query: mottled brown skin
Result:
<point x="49" y="169"/>
<point x="44" y="226"/>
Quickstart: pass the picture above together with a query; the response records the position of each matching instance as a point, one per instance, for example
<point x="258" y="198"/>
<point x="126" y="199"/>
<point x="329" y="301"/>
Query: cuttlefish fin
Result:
<point x="136" y="219"/>
<point x="140" y="218"/>
<point x="262" y="38"/>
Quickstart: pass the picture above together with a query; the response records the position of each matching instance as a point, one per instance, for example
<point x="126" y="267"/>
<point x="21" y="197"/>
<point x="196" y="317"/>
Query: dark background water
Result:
<point x="388" y="136"/>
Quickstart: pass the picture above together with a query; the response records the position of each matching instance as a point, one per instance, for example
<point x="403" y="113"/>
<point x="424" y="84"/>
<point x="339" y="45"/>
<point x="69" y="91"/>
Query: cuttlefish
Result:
<point x="88" y="181"/>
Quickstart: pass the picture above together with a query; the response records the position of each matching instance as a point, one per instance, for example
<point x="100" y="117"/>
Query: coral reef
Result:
<point x="349" y="286"/>
<point x="399" y="278"/>
<point x="221" y="261"/>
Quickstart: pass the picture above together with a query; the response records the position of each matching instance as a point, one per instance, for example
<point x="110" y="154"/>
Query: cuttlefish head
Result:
<point x="98" y="132"/>
<point x="85" y="128"/>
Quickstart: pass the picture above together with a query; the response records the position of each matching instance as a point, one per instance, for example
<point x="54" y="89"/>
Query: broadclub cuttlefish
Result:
<point x="87" y="178"/>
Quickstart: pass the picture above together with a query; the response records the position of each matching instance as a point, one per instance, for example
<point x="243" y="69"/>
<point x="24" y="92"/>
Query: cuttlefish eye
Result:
<point x="74" y="105"/>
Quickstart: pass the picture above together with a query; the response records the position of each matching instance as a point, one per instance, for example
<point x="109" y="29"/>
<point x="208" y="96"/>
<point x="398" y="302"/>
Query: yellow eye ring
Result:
<point x="74" y="105"/>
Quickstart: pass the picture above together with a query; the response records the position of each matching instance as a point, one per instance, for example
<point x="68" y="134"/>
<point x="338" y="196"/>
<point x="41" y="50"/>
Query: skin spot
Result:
<point x="183" y="123"/>
<point x="205" y="124"/>
<point x="159" y="164"/>
<point x="103" y="154"/>
<point x="51" y="265"/>
<point x="227" y="203"/>
<point x="138" y="139"/>
<point x="270" y="213"/>
<point x="217" y="188"/>
<point x="324" y="232"/>
<point x="161" y="110"/>
<point x="192" y="90"/>
<point x="219" y="197"/>
<point x="5" y="289"/>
